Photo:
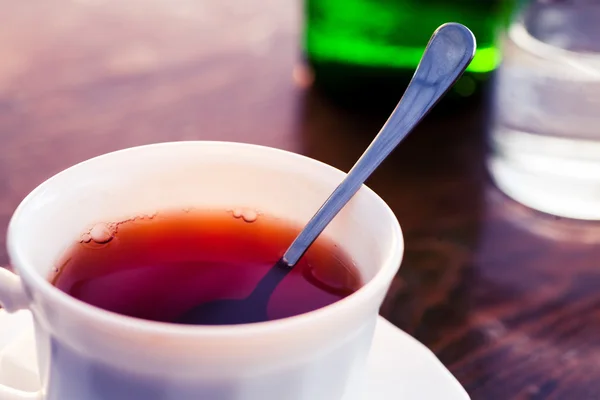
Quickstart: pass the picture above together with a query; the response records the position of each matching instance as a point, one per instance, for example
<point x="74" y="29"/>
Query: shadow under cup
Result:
<point x="86" y="352"/>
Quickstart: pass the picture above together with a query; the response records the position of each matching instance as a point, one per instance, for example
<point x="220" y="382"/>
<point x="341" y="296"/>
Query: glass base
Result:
<point x="558" y="176"/>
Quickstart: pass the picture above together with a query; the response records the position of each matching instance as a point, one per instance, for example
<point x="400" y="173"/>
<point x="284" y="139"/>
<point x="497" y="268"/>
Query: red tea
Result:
<point x="160" y="267"/>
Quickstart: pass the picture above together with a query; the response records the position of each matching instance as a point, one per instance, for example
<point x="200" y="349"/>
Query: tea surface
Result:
<point x="159" y="267"/>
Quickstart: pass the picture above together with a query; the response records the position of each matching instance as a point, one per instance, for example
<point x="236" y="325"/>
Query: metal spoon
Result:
<point x="447" y="55"/>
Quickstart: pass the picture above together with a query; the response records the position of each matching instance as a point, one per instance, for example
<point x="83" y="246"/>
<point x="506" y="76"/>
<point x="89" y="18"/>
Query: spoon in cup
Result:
<point x="447" y="55"/>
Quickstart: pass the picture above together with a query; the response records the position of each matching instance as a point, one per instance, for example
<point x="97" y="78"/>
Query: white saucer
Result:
<point x="399" y="366"/>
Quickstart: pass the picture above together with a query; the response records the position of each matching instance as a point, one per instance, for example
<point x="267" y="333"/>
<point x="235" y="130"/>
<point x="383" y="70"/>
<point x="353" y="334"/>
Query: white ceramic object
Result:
<point x="87" y="353"/>
<point x="399" y="367"/>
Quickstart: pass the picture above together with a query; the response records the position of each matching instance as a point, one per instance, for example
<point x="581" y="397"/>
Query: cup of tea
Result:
<point x="110" y="253"/>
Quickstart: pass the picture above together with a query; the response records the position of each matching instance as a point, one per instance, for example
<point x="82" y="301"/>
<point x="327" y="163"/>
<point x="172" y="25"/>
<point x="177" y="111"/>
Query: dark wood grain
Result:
<point x="508" y="298"/>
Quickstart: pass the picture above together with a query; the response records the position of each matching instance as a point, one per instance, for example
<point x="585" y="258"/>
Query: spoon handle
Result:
<point x="447" y="55"/>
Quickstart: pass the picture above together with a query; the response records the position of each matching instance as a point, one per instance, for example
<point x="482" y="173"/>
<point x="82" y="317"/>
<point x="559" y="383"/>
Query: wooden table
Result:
<point x="507" y="298"/>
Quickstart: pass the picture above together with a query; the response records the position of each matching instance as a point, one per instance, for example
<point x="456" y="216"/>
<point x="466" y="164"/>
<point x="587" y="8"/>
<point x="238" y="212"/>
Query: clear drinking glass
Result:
<point x="545" y="134"/>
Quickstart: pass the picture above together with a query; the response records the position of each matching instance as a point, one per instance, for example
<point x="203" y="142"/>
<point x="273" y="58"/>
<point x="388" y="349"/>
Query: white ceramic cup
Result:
<point x="86" y="353"/>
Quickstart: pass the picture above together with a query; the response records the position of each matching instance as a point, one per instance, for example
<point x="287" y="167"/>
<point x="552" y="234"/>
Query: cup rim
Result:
<point x="27" y="272"/>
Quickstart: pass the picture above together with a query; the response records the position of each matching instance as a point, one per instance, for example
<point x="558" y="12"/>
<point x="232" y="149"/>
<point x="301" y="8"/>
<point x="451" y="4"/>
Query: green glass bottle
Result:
<point x="361" y="48"/>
